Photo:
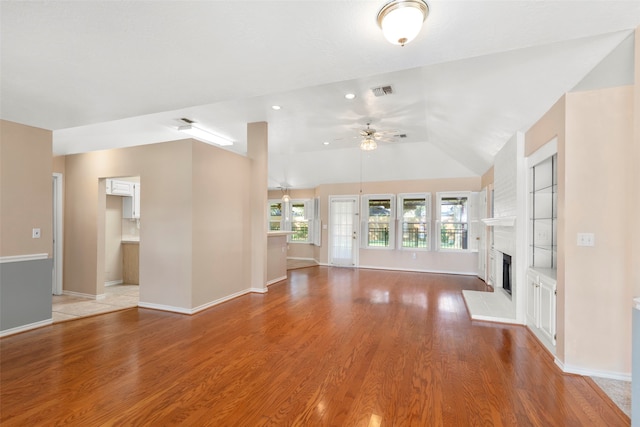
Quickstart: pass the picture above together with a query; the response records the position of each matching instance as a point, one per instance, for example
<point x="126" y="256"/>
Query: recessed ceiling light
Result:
<point x="326" y="143"/>
<point x="275" y="107"/>
<point x="350" y="96"/>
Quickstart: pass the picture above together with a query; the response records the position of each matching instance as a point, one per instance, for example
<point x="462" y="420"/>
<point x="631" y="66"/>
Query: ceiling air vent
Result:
<point x="401" y="135"/>
<point x="382" y="90"/>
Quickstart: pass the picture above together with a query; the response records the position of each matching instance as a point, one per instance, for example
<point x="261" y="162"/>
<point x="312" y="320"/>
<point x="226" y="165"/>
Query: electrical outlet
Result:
<point x="35" y="233"/>
<point x="586" y="239"/>
<point x="413" y="255"/>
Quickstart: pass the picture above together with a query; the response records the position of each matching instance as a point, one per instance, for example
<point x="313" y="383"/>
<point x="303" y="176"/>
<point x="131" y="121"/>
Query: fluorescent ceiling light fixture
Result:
<point x="350" y="96"/>
<point x="276" y="107"/>
<point x="204" y="136"/>
<point x="401" y="20"/>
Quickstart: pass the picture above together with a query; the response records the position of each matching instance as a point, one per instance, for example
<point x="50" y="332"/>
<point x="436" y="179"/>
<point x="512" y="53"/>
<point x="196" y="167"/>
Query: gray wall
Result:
<point x="25" y="293"/>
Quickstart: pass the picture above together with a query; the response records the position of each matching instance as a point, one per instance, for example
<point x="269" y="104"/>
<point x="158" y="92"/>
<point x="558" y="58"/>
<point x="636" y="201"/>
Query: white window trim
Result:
<point x="364" y="224"/>
<point x="399" y="220"/>
<point x="437" y="233"/>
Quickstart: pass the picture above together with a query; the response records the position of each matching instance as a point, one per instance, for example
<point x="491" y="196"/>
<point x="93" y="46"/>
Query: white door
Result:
<point x="343" y="231"/>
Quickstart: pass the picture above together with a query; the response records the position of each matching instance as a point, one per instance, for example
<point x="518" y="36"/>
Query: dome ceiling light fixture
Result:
<point x="401" y="20"/>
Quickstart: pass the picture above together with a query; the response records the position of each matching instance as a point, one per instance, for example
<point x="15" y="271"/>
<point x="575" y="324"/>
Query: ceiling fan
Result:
<point x="370" y="136"/>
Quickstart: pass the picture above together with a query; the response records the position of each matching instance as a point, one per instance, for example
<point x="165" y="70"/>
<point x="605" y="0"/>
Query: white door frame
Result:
<point x="58" y="188"/>
<point x="356" y="229"/>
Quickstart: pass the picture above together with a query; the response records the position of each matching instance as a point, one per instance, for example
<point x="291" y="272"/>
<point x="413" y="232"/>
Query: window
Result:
<point x="378" y="214"/>
<point x="453" y="221"/>
<point x="292" y="216"/>
<point x="275" y="215"/>
<point x="415" y="220"/>
<point x="299" y="222"/>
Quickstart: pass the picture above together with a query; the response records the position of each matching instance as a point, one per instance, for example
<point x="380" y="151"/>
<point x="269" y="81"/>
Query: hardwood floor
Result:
<point x="329" y="346"/>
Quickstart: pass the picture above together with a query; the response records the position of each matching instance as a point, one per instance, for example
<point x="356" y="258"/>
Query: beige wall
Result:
<point x="487" y="179"/>
<point x="258" y="152"/>
<point x="25" y="189"/>
<point x="276" y="259"/>
<point x="634" y="176"/>
<point x="221" y="218"/>
<point x="113" y="237"/>
<point x="187" y="186"/>
<point x="402" y="259"/>
<point x="598" y="293"/>
<point x="59" y="164"/>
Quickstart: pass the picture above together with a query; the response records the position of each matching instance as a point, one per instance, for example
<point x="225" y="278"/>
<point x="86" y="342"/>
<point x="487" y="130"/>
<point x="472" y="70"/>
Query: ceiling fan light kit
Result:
<point x="368" y="144"/>
<point x="401" y="20"/>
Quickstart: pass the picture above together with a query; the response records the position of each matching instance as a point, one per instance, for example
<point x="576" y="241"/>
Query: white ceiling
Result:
<point x="105" y="74"/>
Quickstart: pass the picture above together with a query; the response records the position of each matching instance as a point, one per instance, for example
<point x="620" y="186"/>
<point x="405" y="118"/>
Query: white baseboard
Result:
<point x="24" y="328"/>
<point x="279" y="279"/>
<point x="113" y="283"/>
<point x="82" y="295"/>
<point x="162" y="307"/>
<point x="199" y="308"/>
<point x="259" y="290"/>
<point x="571" y="369"/>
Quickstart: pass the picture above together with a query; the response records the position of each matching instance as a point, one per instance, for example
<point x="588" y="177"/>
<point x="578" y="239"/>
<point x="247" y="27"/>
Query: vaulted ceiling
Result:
<point x="104" y="74"/>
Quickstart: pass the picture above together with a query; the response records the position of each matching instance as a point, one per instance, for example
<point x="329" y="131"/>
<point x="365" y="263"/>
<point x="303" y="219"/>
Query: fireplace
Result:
<point x="506" y="273"/>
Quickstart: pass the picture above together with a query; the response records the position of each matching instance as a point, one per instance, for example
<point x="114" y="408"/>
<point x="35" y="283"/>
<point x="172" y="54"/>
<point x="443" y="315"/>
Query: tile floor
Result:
<point x="118" y="297"/>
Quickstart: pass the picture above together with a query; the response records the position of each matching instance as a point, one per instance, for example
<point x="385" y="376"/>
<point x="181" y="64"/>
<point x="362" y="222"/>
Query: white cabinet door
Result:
<point x="119" y="188"/>
<point x="131" y="205"/>
<point x="532" y="299"/>
<point x="547" y="322"/>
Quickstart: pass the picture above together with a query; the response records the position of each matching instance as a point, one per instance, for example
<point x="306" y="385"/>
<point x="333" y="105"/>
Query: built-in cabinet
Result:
<point x="130" y="262"/>
<point x="119" y="188"/>
<point x="541" y="291"/>
<point x="131" y="204"/>
<point x="541" y="303"/>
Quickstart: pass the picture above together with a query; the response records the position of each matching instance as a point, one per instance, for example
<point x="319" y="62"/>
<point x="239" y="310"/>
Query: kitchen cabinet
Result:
<point x="119" y="188"/>
<point x="130" y="262"/>
<point x="541" y="304"/>
<point x="131" y="205"/>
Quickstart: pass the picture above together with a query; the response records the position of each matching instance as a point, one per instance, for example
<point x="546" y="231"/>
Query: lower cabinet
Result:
<point x="541" y="304"/>
<point x="130" y="263"/>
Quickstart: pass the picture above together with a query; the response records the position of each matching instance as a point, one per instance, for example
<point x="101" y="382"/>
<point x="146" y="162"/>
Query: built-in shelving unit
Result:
<point x="544" y="214"/>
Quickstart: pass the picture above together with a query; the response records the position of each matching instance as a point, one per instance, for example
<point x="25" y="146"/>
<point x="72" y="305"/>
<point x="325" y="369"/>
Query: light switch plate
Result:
<point x="35" y="233"/>
<point x="586" y="239"/>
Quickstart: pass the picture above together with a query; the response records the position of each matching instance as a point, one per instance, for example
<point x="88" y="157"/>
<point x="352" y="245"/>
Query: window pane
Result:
<point x="274" y="225"/>
<point x="299" y="225"/>
<point x="379" y="220"/>
<point x="453" y="209"/>
<point x="275" y="211"/>
<point x="454" y="227"/>
<point x="414" y="230"/>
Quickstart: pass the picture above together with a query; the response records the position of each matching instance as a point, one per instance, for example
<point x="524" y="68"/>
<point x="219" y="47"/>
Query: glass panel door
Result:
<point x="343" y="231"/>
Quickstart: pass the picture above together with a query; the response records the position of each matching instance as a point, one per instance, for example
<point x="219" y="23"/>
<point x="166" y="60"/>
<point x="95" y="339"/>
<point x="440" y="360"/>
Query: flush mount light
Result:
<point x="204" y="135"/>
<point x="276" y="107"/>
<point x="401" y="20"/>
<point x="350" y="96"/>
<point x="326" y="143"/>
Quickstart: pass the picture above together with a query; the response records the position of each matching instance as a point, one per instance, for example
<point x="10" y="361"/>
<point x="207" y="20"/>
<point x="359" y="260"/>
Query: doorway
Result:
<point x="56" y="276"/>
<point x="343" y="231"/>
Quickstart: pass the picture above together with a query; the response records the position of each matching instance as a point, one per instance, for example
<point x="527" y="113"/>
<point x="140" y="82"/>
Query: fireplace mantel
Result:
<point x="503" y="221"/>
